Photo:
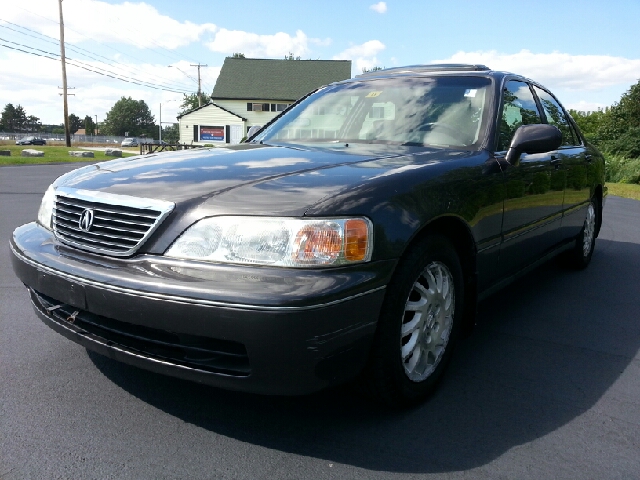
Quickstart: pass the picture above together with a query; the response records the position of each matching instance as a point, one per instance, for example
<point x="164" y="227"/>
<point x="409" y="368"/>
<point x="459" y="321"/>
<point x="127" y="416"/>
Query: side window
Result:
<point x="556" y="117"/>
<point x="519" y="109"/>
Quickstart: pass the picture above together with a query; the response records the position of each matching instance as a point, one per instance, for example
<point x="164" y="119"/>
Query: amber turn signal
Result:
<point x="356" y="240"/>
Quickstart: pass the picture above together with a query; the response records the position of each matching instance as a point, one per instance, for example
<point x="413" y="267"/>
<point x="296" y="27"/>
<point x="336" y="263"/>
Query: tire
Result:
<point x="580" y="256"/>
<point x="419" y="324"/>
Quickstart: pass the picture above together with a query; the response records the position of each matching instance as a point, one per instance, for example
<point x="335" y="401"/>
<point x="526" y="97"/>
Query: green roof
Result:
<point x="266" y="79"/>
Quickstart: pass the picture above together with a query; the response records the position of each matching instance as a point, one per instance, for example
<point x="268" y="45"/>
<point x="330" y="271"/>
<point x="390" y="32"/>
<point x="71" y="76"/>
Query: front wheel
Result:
<point x="418" y="325"/>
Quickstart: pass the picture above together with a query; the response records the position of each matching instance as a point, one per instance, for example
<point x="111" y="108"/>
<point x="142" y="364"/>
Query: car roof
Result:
<point x="445" y="69"/>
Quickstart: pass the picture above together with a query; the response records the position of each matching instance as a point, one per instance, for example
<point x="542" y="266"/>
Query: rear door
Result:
<point x="574" y="162"/>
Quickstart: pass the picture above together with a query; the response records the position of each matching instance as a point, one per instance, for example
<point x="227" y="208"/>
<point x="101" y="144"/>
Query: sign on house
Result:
<point x="212" y="133"/>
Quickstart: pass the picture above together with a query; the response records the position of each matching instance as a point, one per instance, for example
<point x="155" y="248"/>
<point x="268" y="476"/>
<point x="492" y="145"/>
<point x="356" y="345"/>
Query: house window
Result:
<point x="279" y="107"/>
<point x="257" y="107"/>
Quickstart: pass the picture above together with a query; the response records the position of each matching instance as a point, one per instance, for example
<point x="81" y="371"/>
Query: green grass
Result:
<point x="622" y="170"/>
<point x="626" y="190"/>
<point x="51" y="155"/>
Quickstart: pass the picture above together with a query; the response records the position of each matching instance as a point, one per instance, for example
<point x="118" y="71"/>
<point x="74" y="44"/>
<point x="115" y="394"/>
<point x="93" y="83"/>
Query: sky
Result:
<point x="586" y="52"/>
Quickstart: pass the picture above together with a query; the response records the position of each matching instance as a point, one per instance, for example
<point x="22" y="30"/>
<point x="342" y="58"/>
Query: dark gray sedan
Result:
<point x="31" y="141"/>
<point x="351" y="237"/>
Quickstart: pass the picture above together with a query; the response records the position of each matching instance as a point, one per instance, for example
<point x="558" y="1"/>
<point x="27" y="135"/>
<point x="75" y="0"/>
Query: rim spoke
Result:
<point x="416" y="306"/>
<point x="433" y="283"/>
<point x="409" y="346"/>
<point x="423" y="291"/>
<point x="439" y="280"/>
<point x="416" y="322"/>
<point x="417" y="353"/>
<point x="444" y="333"/>
<point x="445" y="286"/>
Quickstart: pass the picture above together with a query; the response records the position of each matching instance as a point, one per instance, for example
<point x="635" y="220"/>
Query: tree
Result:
<point x="170" y="133"/>
<point x="190" y="102"/>
<point x="372" y="69"/>
<point x="8" y="115"/>
<point x="621" y="118"/>
<point x="291" y="57"/>
<point x="74" y="123"/>
<point x="33" y="123"/>
<point x="129" y="116"/>
<point x="238" y="55"/>
<point x="15" y="119"/>
<point x="19" y="119"/>
<point x="89" y="126"/>
<point x="589" y="123"/>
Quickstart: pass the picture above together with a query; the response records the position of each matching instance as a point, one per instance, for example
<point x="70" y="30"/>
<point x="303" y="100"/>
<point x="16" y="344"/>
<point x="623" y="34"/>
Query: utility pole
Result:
<point x="199" y="83"/>
<point x="64" y="78"/>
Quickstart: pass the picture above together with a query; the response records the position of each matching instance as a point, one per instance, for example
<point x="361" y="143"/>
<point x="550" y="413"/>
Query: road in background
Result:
<point x="548" y="386"/>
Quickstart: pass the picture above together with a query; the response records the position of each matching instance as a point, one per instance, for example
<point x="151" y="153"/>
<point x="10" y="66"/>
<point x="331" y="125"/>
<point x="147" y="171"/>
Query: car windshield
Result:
<point x="445" y="111"/>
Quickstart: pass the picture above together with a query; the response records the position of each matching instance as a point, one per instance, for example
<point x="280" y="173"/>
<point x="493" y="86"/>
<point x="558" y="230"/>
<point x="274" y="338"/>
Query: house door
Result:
<point x="235" y="132"/>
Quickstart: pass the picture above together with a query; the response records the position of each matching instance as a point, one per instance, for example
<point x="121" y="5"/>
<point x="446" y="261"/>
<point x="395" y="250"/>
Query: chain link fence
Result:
<point x="75" y="139"/>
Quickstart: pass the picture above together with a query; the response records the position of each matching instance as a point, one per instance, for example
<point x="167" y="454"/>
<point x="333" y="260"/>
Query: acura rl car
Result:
<point x="350" y="238"/>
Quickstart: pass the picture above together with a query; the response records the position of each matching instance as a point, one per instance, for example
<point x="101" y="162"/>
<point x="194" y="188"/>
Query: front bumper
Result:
<point x="256" y="329"/>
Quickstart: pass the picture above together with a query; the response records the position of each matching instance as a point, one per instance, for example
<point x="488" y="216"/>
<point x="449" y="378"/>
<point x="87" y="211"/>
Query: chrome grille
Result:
<point x="119" y="224"/>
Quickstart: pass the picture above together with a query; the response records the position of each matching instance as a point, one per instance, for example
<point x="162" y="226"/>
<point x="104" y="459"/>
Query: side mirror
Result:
<point x="538" y="138"/>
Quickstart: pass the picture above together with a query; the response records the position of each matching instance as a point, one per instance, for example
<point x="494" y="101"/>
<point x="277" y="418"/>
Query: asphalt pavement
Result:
<point x="548" y="386"/>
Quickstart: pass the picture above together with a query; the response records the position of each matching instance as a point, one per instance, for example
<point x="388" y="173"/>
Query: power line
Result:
<point x="81" y="51"/>
<point x="137" y="44"/>
<point x="92" y="67"/>
<point x="70" y="61"/>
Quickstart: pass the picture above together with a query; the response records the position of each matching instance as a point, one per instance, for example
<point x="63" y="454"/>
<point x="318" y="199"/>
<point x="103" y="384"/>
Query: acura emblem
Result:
<point x="86" y="219"/>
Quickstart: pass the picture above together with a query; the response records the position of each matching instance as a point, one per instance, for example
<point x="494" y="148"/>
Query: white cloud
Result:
<point x="138" y="24"/>
<point x="320" y="42"/>
<point x="380" y="7"/>
<point x="258" y="46"/>
<point x="584" y="106"/>
<point x="558" y="70"/>
<point x="364" y="55"/>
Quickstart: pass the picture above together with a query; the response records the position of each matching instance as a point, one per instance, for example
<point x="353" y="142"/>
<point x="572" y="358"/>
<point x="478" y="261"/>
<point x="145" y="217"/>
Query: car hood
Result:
<point x="189" y="174"/>
<point x="203" y="177"/>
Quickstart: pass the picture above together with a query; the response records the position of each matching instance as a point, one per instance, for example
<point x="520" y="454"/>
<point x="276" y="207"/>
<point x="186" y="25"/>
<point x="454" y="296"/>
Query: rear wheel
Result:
<point x="418" y="325"/>
<point x="582" y="252"/>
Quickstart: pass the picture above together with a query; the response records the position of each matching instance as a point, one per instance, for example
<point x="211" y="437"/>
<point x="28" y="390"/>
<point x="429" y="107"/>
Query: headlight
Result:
<point x="286" y="242"/>
<point x="46" y="207"/>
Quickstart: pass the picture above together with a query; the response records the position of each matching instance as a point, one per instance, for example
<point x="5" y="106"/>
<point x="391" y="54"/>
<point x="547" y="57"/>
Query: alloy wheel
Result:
<point x="427" y="322"/>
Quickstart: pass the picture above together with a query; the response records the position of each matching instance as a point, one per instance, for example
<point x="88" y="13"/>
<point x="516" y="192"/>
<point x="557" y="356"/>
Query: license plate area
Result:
<point x="63" y="290"/>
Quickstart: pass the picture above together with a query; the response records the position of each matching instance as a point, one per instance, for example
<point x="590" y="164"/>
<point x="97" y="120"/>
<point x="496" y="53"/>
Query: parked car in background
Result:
<point x="252" y="130"/>
<point x="129" y="142"/>
<point x="351" y="237"/>
<point x="31" y="140"/>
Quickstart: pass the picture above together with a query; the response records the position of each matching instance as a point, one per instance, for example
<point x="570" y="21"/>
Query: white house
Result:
<point x="251" y="91"/>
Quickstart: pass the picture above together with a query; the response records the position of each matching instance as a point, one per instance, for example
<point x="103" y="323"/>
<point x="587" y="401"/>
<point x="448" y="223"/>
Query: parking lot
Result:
<point x="548" y="386"/>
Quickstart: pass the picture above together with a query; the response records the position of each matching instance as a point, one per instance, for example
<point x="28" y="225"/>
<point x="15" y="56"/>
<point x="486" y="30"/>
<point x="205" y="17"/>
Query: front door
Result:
<point x="235" y="132"/>
<point x="534" y="187"/>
